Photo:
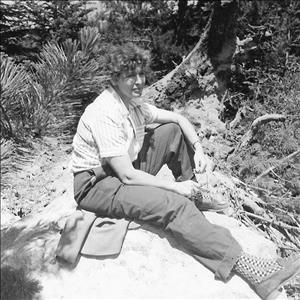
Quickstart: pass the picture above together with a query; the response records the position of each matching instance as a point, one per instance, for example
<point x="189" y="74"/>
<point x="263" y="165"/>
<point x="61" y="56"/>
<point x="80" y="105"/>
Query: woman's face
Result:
<point x="131" y="84"/>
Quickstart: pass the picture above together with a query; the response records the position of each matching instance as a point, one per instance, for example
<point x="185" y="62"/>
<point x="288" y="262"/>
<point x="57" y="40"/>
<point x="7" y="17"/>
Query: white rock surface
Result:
<point x="7" y="218"/>
<point x="149" y="265"/>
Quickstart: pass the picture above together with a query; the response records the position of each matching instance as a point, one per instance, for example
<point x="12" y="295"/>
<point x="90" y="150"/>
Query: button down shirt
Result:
<point x="107" y="128"/>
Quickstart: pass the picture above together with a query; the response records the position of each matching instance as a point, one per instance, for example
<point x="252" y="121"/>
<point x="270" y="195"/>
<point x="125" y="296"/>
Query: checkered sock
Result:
<point x="255" y="269"/>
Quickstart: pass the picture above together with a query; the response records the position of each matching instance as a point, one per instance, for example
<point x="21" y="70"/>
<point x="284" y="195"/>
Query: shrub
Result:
<point x="17" y="284"/>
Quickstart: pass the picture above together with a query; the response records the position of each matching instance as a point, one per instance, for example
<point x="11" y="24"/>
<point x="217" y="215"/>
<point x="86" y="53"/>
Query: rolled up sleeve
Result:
<point x="149" y="112"/>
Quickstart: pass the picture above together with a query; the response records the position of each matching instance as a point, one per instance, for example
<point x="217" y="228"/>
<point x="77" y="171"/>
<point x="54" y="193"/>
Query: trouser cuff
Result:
<point x="224" y="270"/>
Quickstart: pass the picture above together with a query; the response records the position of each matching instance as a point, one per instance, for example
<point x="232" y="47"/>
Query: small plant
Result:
<point x="14" y="85"/>
<point x="16" y="284"/>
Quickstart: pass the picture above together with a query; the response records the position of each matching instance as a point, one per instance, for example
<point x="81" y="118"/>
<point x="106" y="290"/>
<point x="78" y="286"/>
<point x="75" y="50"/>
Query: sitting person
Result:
<point x="115" y="161"/>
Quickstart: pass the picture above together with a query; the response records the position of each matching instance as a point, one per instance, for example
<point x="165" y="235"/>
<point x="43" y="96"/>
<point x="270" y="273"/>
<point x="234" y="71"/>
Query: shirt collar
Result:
<point x="135" y="102"/>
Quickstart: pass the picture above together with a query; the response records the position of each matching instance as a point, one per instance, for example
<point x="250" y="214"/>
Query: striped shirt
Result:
<point x="107" y="128"/>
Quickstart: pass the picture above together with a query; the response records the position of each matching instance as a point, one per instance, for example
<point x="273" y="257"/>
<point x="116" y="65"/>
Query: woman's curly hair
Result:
<point x="126" y="57"/>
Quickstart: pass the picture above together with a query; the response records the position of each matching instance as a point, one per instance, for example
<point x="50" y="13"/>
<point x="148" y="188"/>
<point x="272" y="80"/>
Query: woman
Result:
<point x="115" y="163"/>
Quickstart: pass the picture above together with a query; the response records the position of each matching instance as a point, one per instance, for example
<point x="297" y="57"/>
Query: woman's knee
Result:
<point x="173" y="127"/>
<point x="182" y="207"/>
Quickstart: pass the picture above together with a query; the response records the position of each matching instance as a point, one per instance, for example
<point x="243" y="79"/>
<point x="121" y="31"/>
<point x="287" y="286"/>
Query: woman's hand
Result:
<point x="201" y="161"/>
<point x="186" y="188"/>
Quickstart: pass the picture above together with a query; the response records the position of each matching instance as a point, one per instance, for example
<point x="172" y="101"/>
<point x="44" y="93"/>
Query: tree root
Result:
<point x="257" y="123"/>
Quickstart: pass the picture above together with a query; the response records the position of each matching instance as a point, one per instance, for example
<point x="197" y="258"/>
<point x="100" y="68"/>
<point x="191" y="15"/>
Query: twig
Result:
<point x="292" y="239"/>
<point x="276" y="175"/>
<point x="277" y="164"/>
<point x="238" y="117"/>
<point x="252" y="204"/>
<point x="250" y="223"/>
<point x="277" y="223"/>
<point x="274" y="234"/>
<point x="279" y="240"/>
<point x="293" y="218"/>
<point x="287" y="247"/>
<point x="253" y="186"/>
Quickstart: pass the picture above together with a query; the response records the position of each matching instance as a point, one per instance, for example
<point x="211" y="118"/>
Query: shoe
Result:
<point x="205" y="202"/>
<point x="214" y="197"/>
<point x="268" y="289"/>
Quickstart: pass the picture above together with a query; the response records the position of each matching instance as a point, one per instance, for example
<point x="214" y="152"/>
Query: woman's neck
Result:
<point x="123" y="97"/>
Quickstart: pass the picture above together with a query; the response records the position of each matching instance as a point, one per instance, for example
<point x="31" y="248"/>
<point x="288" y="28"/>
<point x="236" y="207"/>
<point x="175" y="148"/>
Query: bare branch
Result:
<point x="276" y="223"/>
<point x="238" y="117"/>
<point x="285" y="159"/>
<point x="257" y="123"/>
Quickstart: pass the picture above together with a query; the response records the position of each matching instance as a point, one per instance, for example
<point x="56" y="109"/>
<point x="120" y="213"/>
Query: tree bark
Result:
<point x="205" y="70"/>
<point x="181" y="21"/>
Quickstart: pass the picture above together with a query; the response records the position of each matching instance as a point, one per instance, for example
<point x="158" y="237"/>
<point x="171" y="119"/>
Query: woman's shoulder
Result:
<point x="106" y="98"/>
<point x="104" y="104"/>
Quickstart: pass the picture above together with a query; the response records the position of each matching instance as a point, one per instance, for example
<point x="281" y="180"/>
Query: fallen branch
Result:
<point x="276" y="223"/>
<point x="250" y="223"/>
<point x="250" y="201"/>
<point x="297" y="152"/>
<point x="203" y="66"/>
<point x="277" y="238"/>
<point x="257" y="123"/>
<point x="238" y="117"/>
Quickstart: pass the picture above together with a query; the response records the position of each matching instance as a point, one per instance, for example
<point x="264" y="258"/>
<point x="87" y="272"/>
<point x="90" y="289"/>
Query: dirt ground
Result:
<point x="33" y="187"/>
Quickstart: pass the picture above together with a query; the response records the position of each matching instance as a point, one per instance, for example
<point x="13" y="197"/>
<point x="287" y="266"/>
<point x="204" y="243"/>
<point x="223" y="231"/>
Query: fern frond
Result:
<point x="7" y="148"/>
<point x="14" y="84"/>
<point x="51" y="70"/>
<point x="70" y="48"/>
<point x="89" y="40"/>
<point x="13" y="78"/>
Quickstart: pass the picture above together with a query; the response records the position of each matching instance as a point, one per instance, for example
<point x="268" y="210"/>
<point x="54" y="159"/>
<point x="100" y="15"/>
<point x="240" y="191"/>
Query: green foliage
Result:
<point x="25" y="26"/>
<point x="53" y="92"/>
<point x="169" y="29"/>
<point x="48" y="98"/>
<point x="7" y="148"/>
<point x="266" y="79"/>
<point x="66" y="78"/>
<point x="273" y="52"/>
<point x="16" y="284"/>
<point x="274" y="140"/>
<point x="14" y="85"/>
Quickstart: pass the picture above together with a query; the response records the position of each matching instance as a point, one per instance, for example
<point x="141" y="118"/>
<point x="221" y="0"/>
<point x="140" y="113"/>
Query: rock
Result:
<point x="7" y="218"/>
<point x="150" y="265"/>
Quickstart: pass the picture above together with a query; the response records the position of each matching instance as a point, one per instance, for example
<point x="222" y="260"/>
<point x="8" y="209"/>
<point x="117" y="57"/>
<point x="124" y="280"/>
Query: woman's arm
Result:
<point x="129" y="175"/>
<point x="165" y="116"/>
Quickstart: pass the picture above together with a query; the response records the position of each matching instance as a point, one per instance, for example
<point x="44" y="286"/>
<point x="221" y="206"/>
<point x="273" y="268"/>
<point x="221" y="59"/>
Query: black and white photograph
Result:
<point x="150" y="149"/>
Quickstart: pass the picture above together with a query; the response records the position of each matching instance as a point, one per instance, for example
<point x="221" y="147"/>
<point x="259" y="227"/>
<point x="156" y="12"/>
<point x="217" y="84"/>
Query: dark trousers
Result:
<point x="211" y="245"/>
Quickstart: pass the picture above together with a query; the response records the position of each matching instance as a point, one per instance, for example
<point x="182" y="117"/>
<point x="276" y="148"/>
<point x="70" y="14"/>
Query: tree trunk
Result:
<point x="205" y="70"/>
<point x="181" y="22"/>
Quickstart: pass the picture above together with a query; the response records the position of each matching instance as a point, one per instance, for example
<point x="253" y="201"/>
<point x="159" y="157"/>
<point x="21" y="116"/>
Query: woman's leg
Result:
<point x="166" y="144"/>
<point x="210" y="244"/>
